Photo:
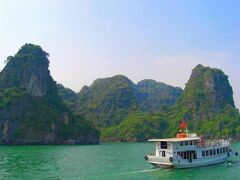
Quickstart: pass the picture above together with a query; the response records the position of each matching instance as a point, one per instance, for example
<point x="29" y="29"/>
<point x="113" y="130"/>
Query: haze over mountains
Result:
<point x="125" y="111"/>
<point x="99" y="40"/>
<point x="35" y="110"/>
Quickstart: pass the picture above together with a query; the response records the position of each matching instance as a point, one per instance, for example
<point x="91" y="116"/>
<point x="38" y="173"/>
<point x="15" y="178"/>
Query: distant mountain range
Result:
<point x="109" y="100"/>
<point x="36" y="110"/>
<point x="124" y="111"/>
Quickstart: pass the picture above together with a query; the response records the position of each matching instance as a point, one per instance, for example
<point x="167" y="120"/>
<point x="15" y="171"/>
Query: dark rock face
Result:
<point x="207" y="104"/>
<point x="152" y="96"/>
<point x="31" y="112"/>
<point x="68" y="96"/>
<point x="29" y="70"/>
<point x="207" y="91"/>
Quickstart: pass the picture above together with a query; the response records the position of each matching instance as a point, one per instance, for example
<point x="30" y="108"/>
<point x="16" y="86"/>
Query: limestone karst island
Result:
<point x="34" y="109"/>
<point x="119" y="90"/>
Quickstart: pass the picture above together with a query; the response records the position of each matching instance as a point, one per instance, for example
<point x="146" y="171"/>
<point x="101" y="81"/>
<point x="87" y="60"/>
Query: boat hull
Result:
<point x="182" y="163"/>
<point x="199" y="164"/>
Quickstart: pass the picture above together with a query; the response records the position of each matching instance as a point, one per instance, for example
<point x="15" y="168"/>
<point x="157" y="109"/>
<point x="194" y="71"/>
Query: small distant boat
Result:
<point x="189" y="150"/>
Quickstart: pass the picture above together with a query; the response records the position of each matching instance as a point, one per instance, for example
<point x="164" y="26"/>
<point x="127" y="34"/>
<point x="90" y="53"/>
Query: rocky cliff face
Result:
<point x="207" y="92"/>
<point x="153" y="96"/>
<point x="68" y="96"/>
<point x="28" y="69"/>
<point x="207" y="104"/>
<point x="31" y="112"/>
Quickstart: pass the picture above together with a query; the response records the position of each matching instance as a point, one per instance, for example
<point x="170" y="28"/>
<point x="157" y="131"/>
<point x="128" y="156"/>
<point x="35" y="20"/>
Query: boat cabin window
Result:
<point x="163" y="154"/>
<point x="187" y="154"/>
<point x="214" y="152"/>
<point x="207" y="153"/>
<point x="163" y="145"/>
<point x="182" y="153"/>
<point x="190" y="143"/>
<point x="178" y="154"/>
<point x="186" y="143"/>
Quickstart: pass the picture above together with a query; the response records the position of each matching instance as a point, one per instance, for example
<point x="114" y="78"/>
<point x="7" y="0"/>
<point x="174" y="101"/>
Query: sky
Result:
<point x="142" y="39"/>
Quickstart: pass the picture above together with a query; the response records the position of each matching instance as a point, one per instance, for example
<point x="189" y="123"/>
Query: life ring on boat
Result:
<point x="236" y="153"/>
<point x="146" y="158"/>
<point x="190" y="160"/>
<point x="171" y="159"/>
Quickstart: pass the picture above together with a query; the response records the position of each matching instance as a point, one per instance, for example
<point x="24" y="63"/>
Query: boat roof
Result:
<point x="174" y="139"/>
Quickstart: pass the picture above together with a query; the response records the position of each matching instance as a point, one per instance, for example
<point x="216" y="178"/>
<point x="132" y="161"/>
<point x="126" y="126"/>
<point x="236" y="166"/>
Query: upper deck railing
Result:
<point x="212" y="143"/>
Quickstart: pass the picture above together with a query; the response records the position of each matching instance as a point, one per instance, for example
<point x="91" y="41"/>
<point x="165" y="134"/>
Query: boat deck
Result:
<point x="174" y="139"/>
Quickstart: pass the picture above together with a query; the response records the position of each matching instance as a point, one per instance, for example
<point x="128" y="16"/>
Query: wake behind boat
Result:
<point x="189" y="150"/>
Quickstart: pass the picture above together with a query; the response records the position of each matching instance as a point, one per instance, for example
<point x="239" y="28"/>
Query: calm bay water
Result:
<point x="104" y="161"/>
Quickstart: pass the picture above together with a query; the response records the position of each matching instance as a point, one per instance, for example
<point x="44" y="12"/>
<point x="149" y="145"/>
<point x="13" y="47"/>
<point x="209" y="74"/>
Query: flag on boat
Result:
<point x="183" y="125"/>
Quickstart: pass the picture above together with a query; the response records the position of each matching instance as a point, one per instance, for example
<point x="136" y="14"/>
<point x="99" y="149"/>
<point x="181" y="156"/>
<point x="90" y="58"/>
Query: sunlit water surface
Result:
<point x="104" y="161"/>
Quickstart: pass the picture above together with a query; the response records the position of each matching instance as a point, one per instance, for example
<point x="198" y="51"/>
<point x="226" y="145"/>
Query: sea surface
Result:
<point x="103" y="161"/>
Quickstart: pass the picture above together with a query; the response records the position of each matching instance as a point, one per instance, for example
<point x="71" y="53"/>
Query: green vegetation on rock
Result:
<point x="107" y="102"/>
<point x="68" y="96"/>
<point x="33" y="109"/>
<point x="153" y="96"/>
<point x="124" y="111"/>
<point x="207" y="105"/>
<point x="138" y="126"/>
<point x="31" y="112"/>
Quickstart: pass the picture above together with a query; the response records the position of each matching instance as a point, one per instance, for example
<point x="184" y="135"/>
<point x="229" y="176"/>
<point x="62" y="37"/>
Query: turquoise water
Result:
<point x="104" y="161"/>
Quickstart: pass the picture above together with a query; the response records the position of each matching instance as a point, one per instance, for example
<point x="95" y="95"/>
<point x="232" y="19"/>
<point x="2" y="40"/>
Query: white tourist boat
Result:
<point x="188" y="150"/>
